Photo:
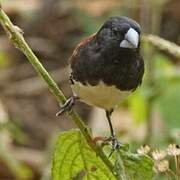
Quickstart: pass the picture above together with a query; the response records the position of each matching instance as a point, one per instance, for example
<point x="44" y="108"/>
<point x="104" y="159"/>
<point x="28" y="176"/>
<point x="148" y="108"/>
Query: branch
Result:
<point x="163" y="45"/>
<point x="15" y="35"/>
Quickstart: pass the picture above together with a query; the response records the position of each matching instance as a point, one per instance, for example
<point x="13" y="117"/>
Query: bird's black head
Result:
<point x="119" y="32"/>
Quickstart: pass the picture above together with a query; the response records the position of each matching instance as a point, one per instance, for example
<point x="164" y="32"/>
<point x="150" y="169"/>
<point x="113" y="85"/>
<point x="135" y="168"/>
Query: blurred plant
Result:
<point x="18" y="169"/>
<point x="161" y="162"/>
<point x="3" y="59"/>
<point x="163" y="95"/>
<point x="13" y="130"/>
<point x="10" y="132"/>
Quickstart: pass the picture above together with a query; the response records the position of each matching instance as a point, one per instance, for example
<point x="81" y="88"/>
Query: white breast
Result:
<point x="103" y="96"/>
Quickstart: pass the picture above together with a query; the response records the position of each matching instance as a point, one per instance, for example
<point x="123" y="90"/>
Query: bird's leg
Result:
<point x="67" y="106"/>
<point x="115" y="143"/>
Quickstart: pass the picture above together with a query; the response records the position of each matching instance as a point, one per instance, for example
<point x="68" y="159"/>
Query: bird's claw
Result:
<point x="115" y="145"/>
<point x="67" y="106"/>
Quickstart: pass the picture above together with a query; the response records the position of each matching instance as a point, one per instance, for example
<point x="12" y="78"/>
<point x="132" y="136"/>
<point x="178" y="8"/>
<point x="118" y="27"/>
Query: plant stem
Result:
<point x="15" y="35"/>
<point x="120" y="169"/>
<point x="163" y="45"/>
<point x="177" y="162"/>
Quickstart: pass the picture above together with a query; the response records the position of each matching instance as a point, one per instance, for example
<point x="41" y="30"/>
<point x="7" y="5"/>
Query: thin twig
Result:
<point x="163" y="45"/>
<point x="15" y="35"/>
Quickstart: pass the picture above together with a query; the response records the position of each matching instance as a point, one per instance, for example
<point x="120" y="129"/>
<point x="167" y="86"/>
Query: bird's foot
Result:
<point x="115" y="144"/>
<point x="67" y="106"/>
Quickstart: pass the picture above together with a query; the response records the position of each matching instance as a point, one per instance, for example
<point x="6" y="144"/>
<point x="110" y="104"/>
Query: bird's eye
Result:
<point x="115" y="31"/>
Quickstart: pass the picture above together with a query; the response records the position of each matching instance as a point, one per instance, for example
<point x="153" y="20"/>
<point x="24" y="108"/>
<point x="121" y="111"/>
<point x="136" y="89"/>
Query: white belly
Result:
<point x="106" y="97"/>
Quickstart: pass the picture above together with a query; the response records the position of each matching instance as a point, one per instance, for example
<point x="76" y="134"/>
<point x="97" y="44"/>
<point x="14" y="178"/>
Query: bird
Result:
<point x="106" y="67"/>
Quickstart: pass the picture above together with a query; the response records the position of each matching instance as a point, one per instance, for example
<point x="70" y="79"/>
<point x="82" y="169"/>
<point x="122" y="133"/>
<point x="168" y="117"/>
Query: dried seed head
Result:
<point x="158" y="155"/>
<point x="173" y="150"/>
<point x="162" y="166"/>
<point x="143" y="149"/>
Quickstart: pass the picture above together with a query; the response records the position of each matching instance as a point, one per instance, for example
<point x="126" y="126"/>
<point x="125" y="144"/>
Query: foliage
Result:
<point x="73" y="157"/>
<point x="137" y="166"/>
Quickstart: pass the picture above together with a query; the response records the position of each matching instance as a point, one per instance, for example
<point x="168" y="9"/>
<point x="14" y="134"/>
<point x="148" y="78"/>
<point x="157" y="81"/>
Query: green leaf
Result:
<point x="137" y="166"/>
<point x="73" y="159"/>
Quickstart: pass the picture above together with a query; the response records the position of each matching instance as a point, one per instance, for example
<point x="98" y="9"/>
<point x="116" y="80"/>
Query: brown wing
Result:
<point x="79" y="46"/>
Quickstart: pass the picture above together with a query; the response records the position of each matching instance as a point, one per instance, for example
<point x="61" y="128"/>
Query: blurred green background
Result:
<point x="28" y="124"/>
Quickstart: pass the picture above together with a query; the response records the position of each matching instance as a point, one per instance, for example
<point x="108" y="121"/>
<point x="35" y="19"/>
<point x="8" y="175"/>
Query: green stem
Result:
<point x="15" y="35"/>
<point x="163" y="45"/>
<point x="119" y="165"/>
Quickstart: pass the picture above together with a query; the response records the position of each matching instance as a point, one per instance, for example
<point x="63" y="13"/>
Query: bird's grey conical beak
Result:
<point x="132" y="37"/>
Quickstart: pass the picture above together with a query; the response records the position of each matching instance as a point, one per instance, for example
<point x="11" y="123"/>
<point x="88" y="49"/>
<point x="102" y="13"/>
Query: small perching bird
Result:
<point x="107" y="66"/>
